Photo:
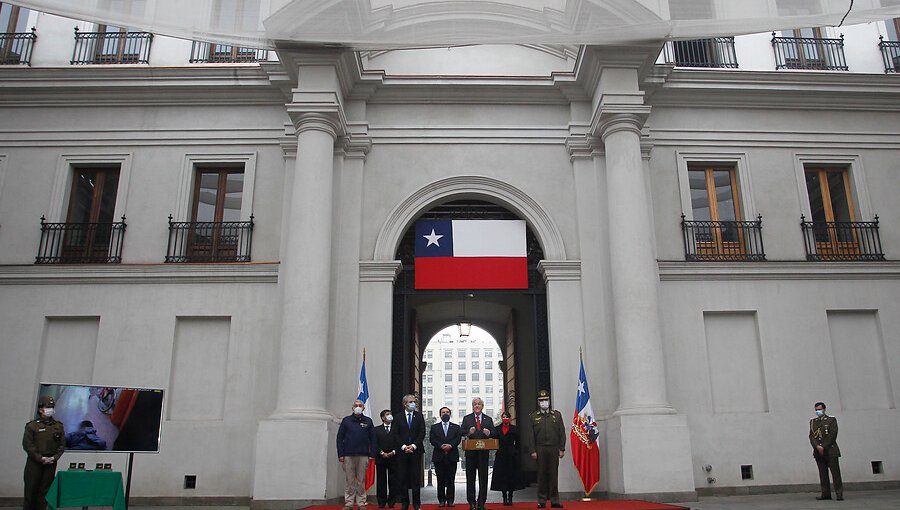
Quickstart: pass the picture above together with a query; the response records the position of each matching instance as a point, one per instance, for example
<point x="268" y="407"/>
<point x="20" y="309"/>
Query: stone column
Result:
<point x="648" y="445"/>
<point x="376" y="297"/>
<point x="565" y="321"/>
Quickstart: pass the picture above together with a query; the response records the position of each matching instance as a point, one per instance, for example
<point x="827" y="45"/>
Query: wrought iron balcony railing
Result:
<point x="739" y="241"/>
<point x="809" y="53"/>
<point x="211" y="53"/>
<point x="212" y="241"/>
<point x="111" y="47"/>
<point x="841" y="240"/>
<point x="712" y="52"/>
<point x="15" y="48"/>
<point x="80" y="243"/>
<point x="890" y="54"/>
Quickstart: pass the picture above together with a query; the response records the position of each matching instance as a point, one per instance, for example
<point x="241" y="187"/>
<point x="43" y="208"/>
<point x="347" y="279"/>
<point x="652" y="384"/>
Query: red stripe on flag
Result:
<point x="585" y="456"/>
<point x="472" y="273"/>
<point x="370" y="474"/>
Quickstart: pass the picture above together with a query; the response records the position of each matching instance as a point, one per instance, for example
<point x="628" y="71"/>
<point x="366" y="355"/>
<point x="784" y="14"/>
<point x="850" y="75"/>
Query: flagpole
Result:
<point x="587" y="495"/>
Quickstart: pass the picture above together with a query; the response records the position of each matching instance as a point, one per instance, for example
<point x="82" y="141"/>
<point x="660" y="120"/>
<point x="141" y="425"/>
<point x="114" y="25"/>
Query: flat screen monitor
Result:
<point x="107" y="418"/>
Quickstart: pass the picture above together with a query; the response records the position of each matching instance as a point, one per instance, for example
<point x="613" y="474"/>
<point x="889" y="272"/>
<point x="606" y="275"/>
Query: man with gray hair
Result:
<point x="355" y="445"/>
<point x="477" y="425"/>
<point x="411" y="432"/>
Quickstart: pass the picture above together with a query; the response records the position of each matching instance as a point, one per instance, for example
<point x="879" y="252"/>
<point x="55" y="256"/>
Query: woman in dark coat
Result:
<point x="506" y="462"/>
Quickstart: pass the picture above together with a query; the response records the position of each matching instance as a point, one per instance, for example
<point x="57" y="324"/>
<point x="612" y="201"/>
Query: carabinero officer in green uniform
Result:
<point x="44" y="441"/>
<point x="546" y="443"/>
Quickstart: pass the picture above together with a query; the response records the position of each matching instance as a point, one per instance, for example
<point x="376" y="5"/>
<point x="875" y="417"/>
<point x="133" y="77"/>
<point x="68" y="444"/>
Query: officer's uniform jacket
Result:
<point x="44" y="437"/>
<point x="823" y="431"/>
<point x="547" y="429"/>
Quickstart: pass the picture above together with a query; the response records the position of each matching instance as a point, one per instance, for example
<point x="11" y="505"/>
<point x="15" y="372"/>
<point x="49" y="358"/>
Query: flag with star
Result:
<point x="585" y="447"/>
<point x="471" y="254"/>
<point x="363" y="396"/>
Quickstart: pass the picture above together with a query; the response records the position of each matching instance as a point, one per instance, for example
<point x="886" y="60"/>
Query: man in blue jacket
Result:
<point x="355" y="445"/>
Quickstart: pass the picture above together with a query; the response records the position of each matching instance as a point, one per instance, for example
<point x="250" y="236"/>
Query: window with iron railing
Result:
<point x="212" y="53"/>
<point x="890" y="55"/>
<point x="81" y="243"/>
<point x="806" y="49"/>
<point x="841" y="240"/>
<point x="16" y="42"/>
<point x="712" y="52"/>
<point x="111" y="45"/>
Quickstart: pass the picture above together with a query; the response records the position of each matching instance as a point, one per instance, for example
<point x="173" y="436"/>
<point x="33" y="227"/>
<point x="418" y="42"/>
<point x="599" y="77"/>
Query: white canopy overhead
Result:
<point x="383" y="24"/>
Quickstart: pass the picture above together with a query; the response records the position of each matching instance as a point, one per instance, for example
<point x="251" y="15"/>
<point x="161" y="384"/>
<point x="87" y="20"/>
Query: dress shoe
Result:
<point x="822" y="498"/>
<point x="556" y="505"/>
<point x="441" y="504"/>
<point x="840" y="497"/>
<point x="540" y="505"/>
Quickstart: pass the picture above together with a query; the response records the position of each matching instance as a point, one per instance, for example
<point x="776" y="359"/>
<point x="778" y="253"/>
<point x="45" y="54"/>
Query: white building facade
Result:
<point x="252" y="218"/>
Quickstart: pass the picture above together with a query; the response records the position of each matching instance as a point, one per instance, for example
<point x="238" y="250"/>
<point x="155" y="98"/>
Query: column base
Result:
<point x="650" y="455"/>
<point x="295" y="463"/>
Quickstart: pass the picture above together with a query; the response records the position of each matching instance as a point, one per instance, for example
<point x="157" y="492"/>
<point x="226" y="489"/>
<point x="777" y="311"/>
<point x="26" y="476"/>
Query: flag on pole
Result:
<point x="363" y="395"/>
<point x="471" y="254"/>
<point x="585" y="447"/>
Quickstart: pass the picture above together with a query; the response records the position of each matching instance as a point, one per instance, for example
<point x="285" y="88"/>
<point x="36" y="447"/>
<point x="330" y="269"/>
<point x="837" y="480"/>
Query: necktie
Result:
<point x="388" y="429"/>
<point x="478" y="422"/>
<point x="409" y="420"/>
<point x="445" y="429"/>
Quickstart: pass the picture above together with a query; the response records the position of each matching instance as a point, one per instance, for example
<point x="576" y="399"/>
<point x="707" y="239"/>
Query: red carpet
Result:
<point x="612" y="504"/>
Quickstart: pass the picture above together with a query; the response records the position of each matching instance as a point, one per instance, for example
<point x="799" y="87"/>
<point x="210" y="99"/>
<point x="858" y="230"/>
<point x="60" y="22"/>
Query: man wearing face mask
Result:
<point x="411" y="429"/>
<point x="355" y="445"/>
<point x="823" y="431"/>
<point x="546" y="443"/>
<point x="477" y="425"/>
<point x="386" y="460"/>
<point x="445" y="438"/>
<point x="44" y="441"/>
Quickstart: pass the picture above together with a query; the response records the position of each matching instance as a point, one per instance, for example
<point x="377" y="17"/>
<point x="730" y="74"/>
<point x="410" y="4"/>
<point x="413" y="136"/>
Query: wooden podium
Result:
<point x="475" y="445"/>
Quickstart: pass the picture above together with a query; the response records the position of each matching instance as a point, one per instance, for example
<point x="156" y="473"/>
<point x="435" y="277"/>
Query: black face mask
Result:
<point x="445" y="417"/>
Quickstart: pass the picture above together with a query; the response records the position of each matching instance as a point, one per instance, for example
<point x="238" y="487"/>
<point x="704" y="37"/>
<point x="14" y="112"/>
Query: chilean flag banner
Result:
<point x="363" y="396"/>
<point x="471" y="254"/>
<point x="585" y="448"/>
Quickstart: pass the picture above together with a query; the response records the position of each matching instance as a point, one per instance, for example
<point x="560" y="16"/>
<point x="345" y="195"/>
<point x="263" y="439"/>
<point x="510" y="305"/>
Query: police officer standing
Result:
<point x="44" y="441"/>
<point x="546" y="443"/>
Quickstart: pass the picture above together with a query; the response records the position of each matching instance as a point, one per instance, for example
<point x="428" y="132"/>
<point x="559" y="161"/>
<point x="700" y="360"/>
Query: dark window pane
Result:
<point x="814" y="190"/>
<point x="234" y="187"/>
<point x="840" y="204"/>
<point x="724" y="195"/>
<point x="208" y="194"/>
<point x="108" y="197"/>
<point x="82" y="198"/>
<point x="699" y="195"/>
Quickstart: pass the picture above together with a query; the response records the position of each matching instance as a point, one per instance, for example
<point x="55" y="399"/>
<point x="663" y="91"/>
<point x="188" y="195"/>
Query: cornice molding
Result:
<point x="781" y="270"/>
<point x="560" y="270"/>
<point x="116" y="274"/>
<point x="379" y="270"/>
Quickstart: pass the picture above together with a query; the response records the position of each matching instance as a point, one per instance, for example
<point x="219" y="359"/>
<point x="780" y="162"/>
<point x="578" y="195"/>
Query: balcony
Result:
<point x="890" y="54"/>
<point x="713" y="52"/>
<point x="841" y="240"/>
<point x="723" y="241"/>
<point x="111" y="47"/>
<point x="213" y="241"/>
<point x="211" y="53"/>
<point x="80" y="243"/>
<point x="15" y="48"/>
<point x="814" y="53"/>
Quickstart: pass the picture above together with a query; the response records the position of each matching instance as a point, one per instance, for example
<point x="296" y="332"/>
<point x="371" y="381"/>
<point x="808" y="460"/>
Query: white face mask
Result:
<point x="544" y="404"/>
<point x="357" y="410"/>
<point x="48" y="412"/>
<point x="388" y="418"/>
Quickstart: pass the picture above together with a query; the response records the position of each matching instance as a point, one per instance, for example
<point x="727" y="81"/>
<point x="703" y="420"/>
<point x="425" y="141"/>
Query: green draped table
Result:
<point x="86" y="488"/>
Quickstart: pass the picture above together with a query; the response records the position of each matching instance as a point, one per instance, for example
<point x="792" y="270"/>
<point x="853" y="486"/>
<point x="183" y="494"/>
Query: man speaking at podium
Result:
<point x="477" y="425"/>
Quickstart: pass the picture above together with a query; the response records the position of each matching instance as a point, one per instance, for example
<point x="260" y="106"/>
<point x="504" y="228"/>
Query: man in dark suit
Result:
<point x="445" y="438"/>
<point x="823" y="431"/>
<point x="477" y="426"/>
<point x="387" y="446"/>
<point x="411" y="432"/>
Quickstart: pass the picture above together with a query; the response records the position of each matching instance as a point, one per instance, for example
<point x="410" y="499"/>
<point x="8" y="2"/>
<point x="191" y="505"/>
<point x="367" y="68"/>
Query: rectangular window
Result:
<point x="13" y="18"/>
<point x="428" y="378"/>
<point x="428" y="354"/>
<point x="474" y="365"/>
<point x="488" y="353"/>
<point x="448" y="354"/>
<point x="716" y="212"/>
<point x="448" y="389"/>
<point x="475" y="376"/>
<point x="461" y="412"/>
<point x="460" y="389"/>
<point x="488" y="377"/>
<point x="488" y="389"/>
<point x="893" y="29"/>
<point x="831" y="207"/>
<point x="488" y="365"/>
<point x="475" y="390"/>
<point x="92" y="205"/>
<point x="461" y="353"/>
<point x="462" y="377"/>
<point x="475" y="353"/>
<point x="214" y="232"/>
<point x="488" y="401"/>
<point x="461" y="401"/>
<point x="461" y="365"/>
<point x="429" y="367"/>
<point x="448" y="377"/>
<point x="448" y="365"/>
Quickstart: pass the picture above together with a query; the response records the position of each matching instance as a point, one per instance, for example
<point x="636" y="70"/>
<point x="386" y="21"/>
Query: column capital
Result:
<point x="379" y="270"/>
<point x="356" y="143"/>
<point x="609" y="119"/>
<point x="560" y="270"/>
<point x="327" y="122"/>
<point x="583" y="146"/>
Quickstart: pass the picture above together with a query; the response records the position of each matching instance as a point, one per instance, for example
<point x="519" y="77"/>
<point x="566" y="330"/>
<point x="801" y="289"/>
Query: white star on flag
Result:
<point x="580" y="386"/>
<point x="433" y="239"/>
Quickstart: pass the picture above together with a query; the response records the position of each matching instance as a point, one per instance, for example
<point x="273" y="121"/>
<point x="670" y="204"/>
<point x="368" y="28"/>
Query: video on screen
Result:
<point x="107" y="418"/>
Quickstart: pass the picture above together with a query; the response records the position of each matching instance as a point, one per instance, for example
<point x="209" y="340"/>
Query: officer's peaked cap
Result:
<point x="543" y="395"/>
<point x="46" y="401"/>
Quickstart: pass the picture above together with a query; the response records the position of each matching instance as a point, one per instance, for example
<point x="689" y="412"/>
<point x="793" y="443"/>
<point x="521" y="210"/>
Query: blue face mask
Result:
<point x="820" y="413"/>
<point x="445" y="417"/>
<point x="411" y="406"/>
